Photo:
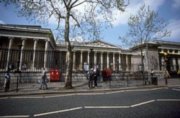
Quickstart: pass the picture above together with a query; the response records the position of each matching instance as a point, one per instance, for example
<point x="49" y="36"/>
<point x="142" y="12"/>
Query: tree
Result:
<point x="68" y="10"/>
<point x="144" y="27"/>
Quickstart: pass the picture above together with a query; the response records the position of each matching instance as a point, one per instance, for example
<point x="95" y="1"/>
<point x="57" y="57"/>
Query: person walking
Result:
<point x="166" y="76"/>
<point x="95" y="74"/>
<point x="7" y="81"/>
<point x="43" y="80"/>
<point x="152" y="76"/>
<point x="91" y="78"/>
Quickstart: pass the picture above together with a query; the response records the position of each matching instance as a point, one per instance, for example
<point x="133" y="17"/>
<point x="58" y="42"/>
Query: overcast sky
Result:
<point x="169" y="10"/>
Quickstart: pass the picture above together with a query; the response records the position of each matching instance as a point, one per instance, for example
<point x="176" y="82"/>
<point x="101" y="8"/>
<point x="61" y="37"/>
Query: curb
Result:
<point x="74" y="91"/>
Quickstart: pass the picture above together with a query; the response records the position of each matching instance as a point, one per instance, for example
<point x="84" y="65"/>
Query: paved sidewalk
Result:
<point x="82" y="87"/>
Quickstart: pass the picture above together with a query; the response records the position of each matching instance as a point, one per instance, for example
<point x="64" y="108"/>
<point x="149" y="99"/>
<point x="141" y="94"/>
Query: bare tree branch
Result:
<point x="75" y="20"/>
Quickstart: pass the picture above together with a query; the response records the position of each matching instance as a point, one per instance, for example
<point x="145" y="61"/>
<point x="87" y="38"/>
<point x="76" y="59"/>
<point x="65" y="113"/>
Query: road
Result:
<point x="142" y="103"/>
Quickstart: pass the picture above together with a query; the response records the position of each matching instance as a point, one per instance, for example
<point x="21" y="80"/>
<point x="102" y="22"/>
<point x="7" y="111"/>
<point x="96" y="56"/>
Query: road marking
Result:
<point x="3" y="98"/>
<point x="96" y="93"/>
<point x="59" y="111"/>
<point x="142" y="103"/>
<point x="168" y="100"/>
<point x="121" y="91"/>
<point x="54" y="96"/>
<point x="176" y="89"/>
<point x="106" y="107"/>
<point x="151" y="89"/>
<point x="15" y="116"/>
<point x="27" y="97"/>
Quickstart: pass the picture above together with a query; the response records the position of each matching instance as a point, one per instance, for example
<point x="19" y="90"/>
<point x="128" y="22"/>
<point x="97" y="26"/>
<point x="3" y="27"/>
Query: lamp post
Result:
<point x="165" y="60"/>
<point x="18" y="70"/>
<point x="91" y="52"/>
<point x="166" y="73"/>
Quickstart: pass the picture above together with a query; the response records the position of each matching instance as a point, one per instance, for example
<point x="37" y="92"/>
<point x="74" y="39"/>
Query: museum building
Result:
<point x="31" y="48"/>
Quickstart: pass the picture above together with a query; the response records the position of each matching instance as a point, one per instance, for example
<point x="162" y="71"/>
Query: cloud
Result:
<point x="132" y="8"/>
<point x="174" y="27"/>
<point x="2" y="22"/>
<point x="176" y="4"/>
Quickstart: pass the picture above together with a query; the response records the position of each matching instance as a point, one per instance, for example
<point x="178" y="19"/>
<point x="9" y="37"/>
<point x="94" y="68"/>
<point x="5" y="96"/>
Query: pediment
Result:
<point x="99" y="43"/>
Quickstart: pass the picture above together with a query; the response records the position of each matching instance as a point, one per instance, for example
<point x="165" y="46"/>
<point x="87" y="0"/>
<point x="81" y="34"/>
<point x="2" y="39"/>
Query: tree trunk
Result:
<point x="68" y="76"/>
<point x="142" y="65"/>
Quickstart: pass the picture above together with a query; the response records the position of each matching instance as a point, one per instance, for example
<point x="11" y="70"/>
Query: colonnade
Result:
<point x="21" y="48"/>
<point x="170" y="59"/>
<point x="103" y="59"/>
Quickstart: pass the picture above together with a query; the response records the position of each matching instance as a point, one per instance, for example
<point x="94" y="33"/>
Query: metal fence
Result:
<point x="27" y="64"/>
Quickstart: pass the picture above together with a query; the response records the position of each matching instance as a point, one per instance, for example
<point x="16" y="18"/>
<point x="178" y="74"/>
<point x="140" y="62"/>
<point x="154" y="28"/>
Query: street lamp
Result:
<point x="91" y="52"/>
<point x="165" y="59"/>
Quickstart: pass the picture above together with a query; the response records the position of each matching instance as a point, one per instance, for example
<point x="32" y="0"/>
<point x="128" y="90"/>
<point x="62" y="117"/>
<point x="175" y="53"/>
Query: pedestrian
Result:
<point x="98" y="73"/>
<point x="152" y="75"/>
<point x="7" y="81"/>
<point x="166" y="76"/>
<point x="109" y="74"/>
<point x="86" y="70"/>
<point x="43" y="80"/>
<point x="103" y="73"/>
<point x="95" y="74"/>
<point x="91" y="78"/>
<point x="24" y="67"/>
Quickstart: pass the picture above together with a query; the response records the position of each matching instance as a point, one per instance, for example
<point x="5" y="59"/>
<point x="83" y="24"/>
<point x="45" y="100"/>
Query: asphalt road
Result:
<point x="147" y="103"/>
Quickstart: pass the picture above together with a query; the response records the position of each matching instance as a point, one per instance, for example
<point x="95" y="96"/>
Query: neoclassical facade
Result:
<point x="35" y="47"/>
<point x="25" y="45"/>
<point x="97" y="53"/>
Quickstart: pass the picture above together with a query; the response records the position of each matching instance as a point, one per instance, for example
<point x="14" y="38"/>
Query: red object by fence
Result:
<point x="54" y="75"/>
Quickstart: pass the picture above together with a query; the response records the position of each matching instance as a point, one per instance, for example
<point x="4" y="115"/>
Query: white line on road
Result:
<point x="112" y="92"/>
<point x="176" y="89"/>
<point x="15" y="116"/>
<point x="106" y="107"/>
<point x="168" y="100"/>
<point x="27" y="97"/>
<point x="54" y="96"/>
<point x="146" y="89"/>
<point x="142" y="103"/>
<point x="59" y="111"/>
<point x="3" y="98"/>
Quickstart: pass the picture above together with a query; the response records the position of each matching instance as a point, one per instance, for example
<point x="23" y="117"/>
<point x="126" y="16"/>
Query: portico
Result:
<point x="98" y="53"/>
<point x="29" y="49"/>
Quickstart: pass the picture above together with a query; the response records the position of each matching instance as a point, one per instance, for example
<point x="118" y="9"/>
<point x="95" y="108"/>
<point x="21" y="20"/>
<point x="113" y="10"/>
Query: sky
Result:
<point x="169" y="10"/>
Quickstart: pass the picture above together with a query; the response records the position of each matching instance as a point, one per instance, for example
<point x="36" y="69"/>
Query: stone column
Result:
<point x="177" y="65"/>
<point x="21" y="55"/>
<point x="81" y="60"/>
<point x="88" y="53"/>
<point x="127" y="64"/>
<point x="34" y="53"/>
<point x="174" y="64"/>
<point x="114" y="62"/>
<point x="74" y="60"/>
<point x="45" y="54"/>
<point x="95" y="57"/>
<point x="101" y="60"/>
<point x="107" y="59"/>
<point x="163" y="64"/>
<point x="119" y="62"/>
<point x="9" y="49"/>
